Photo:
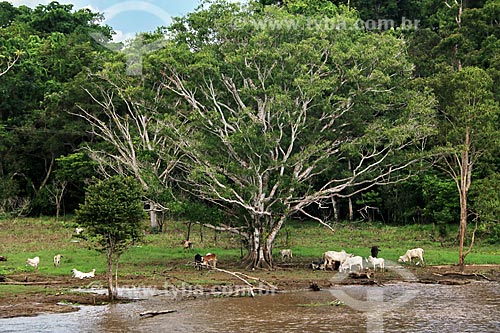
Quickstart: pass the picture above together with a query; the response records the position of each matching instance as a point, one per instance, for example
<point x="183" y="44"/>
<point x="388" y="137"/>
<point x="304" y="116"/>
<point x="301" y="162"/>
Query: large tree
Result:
<point x="273" y="117"/>
<point x="277" y="115"/>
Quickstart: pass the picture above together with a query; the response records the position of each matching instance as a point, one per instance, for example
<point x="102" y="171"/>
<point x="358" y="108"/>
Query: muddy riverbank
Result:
<point x="55" y="294"/>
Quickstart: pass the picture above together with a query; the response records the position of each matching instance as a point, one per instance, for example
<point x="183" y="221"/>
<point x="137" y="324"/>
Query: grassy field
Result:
<point x="44" y="237"/>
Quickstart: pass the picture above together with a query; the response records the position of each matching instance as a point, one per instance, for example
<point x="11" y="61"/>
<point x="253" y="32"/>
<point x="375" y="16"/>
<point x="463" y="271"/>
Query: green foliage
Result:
<point x="486" y="204"/>
<point x="311" y="7"/>
<point x="441" y="197"/>
<point x="368" y="73"/>
<point x="56" y="51"/>
<point x="112" y="214"/>
<point x="348" y="77"/>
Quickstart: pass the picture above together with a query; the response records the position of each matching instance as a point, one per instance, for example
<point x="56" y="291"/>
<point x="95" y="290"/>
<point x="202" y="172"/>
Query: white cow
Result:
<point x="380" y="262"/>
<point x="329" y="258"/>
<point x="33" y="262"/>
<point x="286" y="254"/>
<point x="57" y="259"/>
<point x="351" y="261"/>
<point x="413" y="253"/>
<point x="81" y="275"/>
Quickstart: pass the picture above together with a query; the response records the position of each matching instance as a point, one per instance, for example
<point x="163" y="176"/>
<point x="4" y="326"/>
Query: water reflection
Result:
<point x="436" y="308"/>
<point x="80" y="321"/>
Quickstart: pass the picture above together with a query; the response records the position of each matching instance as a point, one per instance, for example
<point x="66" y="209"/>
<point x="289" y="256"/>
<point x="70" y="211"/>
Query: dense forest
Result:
<point x="243" y="116"/>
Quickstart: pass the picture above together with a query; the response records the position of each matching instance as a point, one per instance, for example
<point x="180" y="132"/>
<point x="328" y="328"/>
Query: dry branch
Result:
<point x="155" y="313"/>
<point x="244" y="278"/>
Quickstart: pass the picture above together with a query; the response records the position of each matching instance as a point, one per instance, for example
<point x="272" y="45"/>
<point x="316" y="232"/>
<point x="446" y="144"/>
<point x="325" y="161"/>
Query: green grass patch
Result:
<point x="9" y="290"/>
<point x="45" y="237"/>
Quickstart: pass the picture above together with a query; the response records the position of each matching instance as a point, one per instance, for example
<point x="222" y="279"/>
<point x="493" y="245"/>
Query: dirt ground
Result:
<point x="58" y="297"/>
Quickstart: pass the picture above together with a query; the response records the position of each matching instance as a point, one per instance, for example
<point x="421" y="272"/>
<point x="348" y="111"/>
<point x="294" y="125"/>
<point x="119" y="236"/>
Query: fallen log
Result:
<point x="466" y="275"/>
<point x="155" y="313"/>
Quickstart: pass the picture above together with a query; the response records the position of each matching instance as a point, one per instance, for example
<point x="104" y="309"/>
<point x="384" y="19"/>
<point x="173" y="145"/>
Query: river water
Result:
<point x="404" y="307"/>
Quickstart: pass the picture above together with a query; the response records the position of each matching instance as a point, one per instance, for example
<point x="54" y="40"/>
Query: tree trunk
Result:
<point x="116" y="277"/>
<point x="259" y="255"/>
<point x="260" y="252"/>
<point x="465" y="179"/>
<point x="335" y="210"/>
<point x="111" y="294"/>
<point x="188" y="236"/>
<point x="153" y="218"/>
<point x="351" y="210"/>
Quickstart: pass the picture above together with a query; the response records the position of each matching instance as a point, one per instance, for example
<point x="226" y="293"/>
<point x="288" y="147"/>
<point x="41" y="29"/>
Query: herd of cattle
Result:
<point x="341" y="261"/>
<point x="34" y="262"/>
<point x="344" y="261"/>
<point x="336" y="260"/>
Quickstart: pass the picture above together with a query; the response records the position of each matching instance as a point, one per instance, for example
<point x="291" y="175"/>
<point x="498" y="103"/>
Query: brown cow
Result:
<point x="210" y="259"/>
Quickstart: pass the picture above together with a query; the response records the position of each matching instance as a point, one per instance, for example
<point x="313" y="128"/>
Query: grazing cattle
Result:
<point x="210" y="259"/>
<point x="78" y="230"/>
<point x="351" y="261"/>
<point x="330" y="257"/>
<point x="376" y="261"/>
<point x="413" y="253"/>
<point x="57" y="259"/>
<point x="374" y="251"/>
<point x="198" y="259"/>
<point x="33" y="262"/>
<point x="286" y="254"/>
<point x="187" y="244"/>
<point x="81" y="275"/>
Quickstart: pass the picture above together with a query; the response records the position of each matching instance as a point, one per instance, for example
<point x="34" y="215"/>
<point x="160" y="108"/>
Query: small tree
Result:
<point x="112" y="217"/>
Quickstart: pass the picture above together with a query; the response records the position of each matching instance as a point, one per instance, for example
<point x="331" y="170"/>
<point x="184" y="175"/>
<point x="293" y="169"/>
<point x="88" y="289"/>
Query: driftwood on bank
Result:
<point x="244" y="278"/>
<point x="454" y="278"/>
<point x="466" y="275"/>
<point x="147" y="314"/>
